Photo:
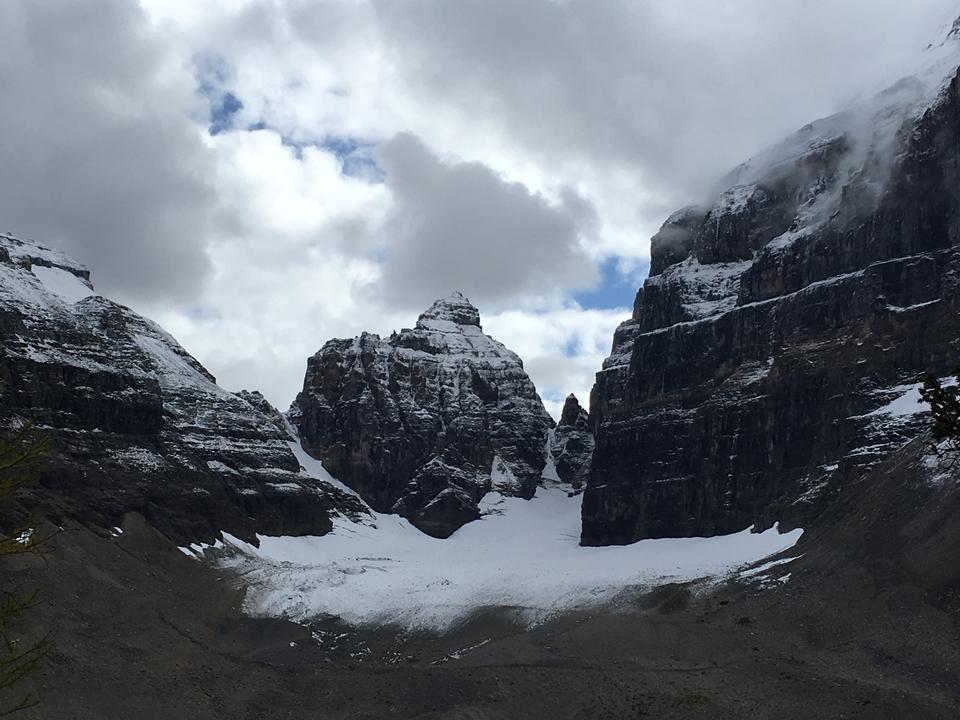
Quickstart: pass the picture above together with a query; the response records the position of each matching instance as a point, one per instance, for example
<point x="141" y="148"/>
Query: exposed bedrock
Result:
<point x="426" y="422"/>
<point x="137" y="424"/>
<point x="758" y="370"/>
<point x="572" y="444"/>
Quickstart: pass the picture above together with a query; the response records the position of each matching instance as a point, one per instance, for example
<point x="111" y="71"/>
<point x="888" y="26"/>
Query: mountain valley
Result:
<point x="751" y="516"/>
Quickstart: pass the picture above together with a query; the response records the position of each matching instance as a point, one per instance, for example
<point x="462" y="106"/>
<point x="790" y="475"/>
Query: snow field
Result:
<point x="521" y="555"/>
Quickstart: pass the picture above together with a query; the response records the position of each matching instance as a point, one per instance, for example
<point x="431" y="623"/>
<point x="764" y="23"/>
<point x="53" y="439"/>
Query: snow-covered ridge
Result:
<point x="27" y="253"/>
<point x="60" y="291"/>
<point x="816" y="165"/>
<point x="135" y="417"/>
<point x="869" y="125"/>
<point x="450" y="331"/>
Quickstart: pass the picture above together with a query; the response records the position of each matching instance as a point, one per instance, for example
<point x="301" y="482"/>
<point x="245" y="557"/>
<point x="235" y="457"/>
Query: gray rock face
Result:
<point x="572" y="444"/>
<point x="427" y="421"/>
<point x="258" y="401"/>
<point x="756" y="374"/>
<point x="138" y="424"/>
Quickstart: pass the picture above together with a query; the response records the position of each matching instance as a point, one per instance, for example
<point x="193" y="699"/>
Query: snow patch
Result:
<point x="139" y="457"/>
<point x="522" y="554"/>
<point x="219" y="467"/>
<point x="706" y="290"/>
<point x="549" y="474"/>
<point x="734" y="200"/>
<point x="502" y="477"/>
<point x="62" y="283"/>
<point x="767" y="567"/>
<point x="907" y="400"/>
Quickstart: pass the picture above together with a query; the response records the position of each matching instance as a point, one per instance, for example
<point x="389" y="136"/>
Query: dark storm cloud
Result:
<point x="677" y="92"/>
<point x="97" y="154"/>
<point x="459" y="226"/>
<point x="100" y="147"/>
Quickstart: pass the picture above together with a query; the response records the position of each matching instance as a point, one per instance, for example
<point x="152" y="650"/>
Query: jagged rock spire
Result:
<point x="428" y="421"/>
<point x="572" y="444"/>
<point x="572" y="411"/>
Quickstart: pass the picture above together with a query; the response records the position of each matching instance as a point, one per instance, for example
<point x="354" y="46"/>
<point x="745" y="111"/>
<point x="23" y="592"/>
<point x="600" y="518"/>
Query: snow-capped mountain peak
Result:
<point x="442" y="413"/>
<point x="455" y="308"/>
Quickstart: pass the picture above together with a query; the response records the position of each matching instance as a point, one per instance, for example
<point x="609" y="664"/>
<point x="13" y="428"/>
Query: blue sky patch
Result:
<point x="222" y="112"/>
<point x="616" y="289"/>
<point x="355" y="154"/>
<point x="213" y="75"/>
<point x="553" y="396"/>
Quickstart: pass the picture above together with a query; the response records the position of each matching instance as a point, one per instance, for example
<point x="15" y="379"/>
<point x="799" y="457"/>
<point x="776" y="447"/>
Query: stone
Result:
<point x="137" y="424"/>
<point x="426" y="422"/>
<point x="753" y="379"/>
<point x="572" y="444"/>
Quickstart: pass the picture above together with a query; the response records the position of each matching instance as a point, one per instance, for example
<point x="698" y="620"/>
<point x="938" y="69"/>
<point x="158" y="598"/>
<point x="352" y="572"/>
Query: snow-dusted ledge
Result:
<point x="522" y="555"/>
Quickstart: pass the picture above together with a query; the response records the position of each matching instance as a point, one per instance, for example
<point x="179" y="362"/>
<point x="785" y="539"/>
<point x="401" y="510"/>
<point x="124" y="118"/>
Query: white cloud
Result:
<point x="551" y="134"/>
<point x="99" y="154"/>
<point x="672" y="93"/>
<point x="288" y="271"/>
<point x="457" y="225"/>
<point x="562" y="349"/>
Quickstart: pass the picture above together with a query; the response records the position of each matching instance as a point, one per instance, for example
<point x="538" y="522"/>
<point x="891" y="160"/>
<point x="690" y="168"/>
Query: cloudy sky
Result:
<point x="263" y="175"/>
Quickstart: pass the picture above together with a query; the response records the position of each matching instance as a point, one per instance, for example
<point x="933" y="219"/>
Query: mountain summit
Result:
<point x="426" y="422"/>
<point x="454" y="308"/>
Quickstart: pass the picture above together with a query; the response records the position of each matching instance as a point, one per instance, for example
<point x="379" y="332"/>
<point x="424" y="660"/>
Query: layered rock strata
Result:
<point x="774" y="352"/>
<point x="426" y="422"/>
<point x="137" y="424"/>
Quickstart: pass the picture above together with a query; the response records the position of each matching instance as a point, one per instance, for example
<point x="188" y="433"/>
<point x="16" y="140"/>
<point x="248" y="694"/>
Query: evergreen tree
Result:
<point x="945" y="407"/>
<point x="20" y="456"/>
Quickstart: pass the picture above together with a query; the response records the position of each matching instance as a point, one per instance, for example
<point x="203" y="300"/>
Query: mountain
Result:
<point x="137" y="424"/>
<point x="774" y="353"/>
<point x="425" y="422"/>
<point x="572" y="444"/>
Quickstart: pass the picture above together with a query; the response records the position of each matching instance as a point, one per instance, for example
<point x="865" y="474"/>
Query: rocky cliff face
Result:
<point x="427" y="421"/>
<point x="137" y="423"/>
<point x="572" y="444"/>
<point x="773" y="353"/>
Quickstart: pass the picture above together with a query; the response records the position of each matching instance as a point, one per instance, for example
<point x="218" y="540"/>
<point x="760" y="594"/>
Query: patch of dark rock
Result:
<point x="667" y="599"/>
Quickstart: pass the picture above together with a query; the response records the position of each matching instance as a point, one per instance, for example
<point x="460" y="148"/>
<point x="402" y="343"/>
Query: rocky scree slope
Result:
<point x="426" y="422"/>
<point x="782" y="329"/>
<point x="137" y="423"/>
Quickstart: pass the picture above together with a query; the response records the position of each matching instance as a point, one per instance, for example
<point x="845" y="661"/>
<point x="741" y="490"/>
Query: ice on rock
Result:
<point x="775" y="312"/>
<point x="425" y="422"/>
<point x="147" y="422"/>
<point x="63" y="283"/>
